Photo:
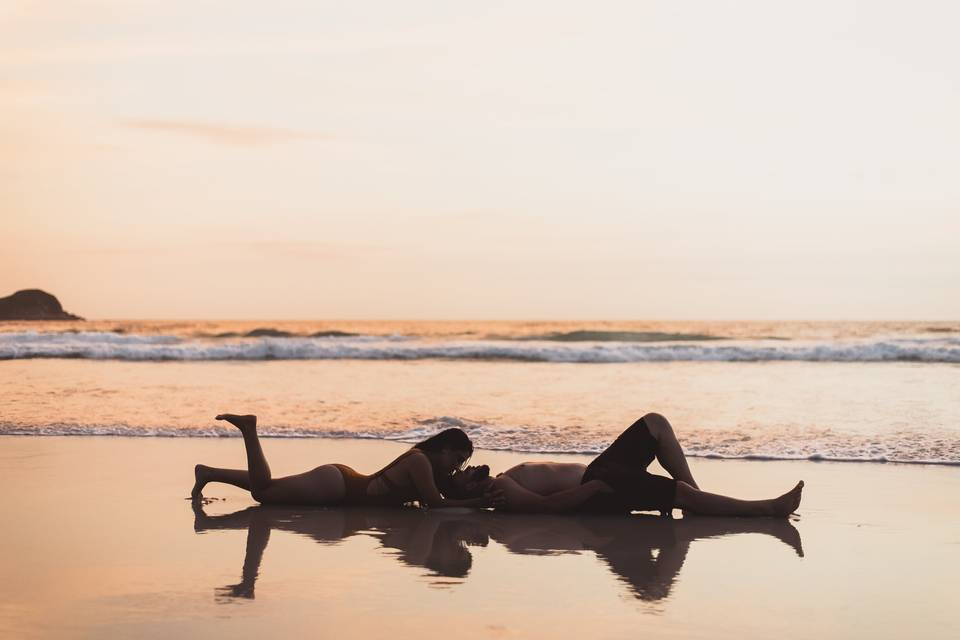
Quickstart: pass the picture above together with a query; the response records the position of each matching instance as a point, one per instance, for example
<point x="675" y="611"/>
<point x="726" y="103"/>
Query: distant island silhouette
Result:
<point x="33" y="304"/>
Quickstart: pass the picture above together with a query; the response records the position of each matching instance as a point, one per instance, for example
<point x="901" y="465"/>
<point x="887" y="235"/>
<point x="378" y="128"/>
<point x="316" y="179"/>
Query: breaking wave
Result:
<point x="256" y="345"/>
<point x="620" y="336"/>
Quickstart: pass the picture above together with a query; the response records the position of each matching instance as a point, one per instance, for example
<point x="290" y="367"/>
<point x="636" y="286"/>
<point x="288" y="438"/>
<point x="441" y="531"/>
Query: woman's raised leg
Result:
<point x="321" y="486"/>
<point x="257" y="465"/>
<point x="258" y="535"/>
<point x="710" y="504"/>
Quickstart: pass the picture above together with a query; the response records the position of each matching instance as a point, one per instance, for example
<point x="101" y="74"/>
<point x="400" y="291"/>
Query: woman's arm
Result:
<point x="421" y="472"/>
<point x="518" y="498"/>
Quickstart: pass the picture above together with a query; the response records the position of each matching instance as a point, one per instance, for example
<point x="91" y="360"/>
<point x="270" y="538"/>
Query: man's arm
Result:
<point x="525" y="501"/>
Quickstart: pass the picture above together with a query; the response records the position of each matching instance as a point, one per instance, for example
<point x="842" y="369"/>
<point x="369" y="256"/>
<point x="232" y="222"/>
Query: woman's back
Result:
<point x="392" y="485"/>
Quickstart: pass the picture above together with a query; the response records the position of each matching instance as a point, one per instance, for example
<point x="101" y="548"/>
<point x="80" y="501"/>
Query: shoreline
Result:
<point x="816" y="458"/>
<point x="898" y="413"/>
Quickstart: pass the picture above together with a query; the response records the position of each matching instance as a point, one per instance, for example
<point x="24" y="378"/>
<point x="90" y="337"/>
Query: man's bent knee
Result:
<point x="656" y="423"/>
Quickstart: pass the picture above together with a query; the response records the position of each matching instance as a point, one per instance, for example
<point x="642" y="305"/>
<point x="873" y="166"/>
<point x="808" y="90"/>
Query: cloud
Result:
<point x="238" y="135"/>
<point x="304" y="249"/>
<point x="249" y="251"/>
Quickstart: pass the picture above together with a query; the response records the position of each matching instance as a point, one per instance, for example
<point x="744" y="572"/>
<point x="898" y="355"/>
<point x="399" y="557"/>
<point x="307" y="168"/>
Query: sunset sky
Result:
<point x="634" y="160"/>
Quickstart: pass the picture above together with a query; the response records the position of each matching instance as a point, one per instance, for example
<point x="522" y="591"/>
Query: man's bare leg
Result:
<point x="204" y="474"/>
<point x="259" y="470"/>
<point x="715" y="526"/>
<point x="669" y="452"/>
<point x="710" y="504"/>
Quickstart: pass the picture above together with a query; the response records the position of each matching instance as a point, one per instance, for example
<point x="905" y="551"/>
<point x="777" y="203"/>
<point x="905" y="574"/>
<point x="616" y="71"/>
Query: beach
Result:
<point x="520" y="227"/>
<point x="102" y="422"/>
<point x="100" y="542"/>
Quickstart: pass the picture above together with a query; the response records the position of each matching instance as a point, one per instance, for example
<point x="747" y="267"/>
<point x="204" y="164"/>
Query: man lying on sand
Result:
<point x="616" y="481"/>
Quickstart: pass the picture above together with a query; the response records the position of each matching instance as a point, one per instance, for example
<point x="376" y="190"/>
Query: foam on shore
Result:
<point x="813" y="445"/>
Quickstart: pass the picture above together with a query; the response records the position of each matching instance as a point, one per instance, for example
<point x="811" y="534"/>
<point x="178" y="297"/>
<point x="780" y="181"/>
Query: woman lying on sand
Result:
<point x="622" y="467"/>
<point x="412" y="476"/>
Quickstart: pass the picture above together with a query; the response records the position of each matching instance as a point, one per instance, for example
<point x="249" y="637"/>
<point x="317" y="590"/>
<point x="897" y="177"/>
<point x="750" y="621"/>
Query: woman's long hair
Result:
<point x="452" y="438"/>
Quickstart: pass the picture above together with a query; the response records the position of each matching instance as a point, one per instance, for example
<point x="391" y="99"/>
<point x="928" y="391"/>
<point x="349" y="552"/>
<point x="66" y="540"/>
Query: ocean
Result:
<point x="822" y="391"/>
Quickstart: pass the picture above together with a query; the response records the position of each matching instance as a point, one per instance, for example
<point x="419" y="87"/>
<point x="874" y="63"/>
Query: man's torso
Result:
<point x="546" y="478"/>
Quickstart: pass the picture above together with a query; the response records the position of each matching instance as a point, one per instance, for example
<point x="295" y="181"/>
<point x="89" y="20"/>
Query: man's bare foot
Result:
<point x="200" y="474"/>
<point x="244" y="423"/>
<point x="788" y="534"/>
<point x="782" y="529"/>
<point x="788" y="502"/>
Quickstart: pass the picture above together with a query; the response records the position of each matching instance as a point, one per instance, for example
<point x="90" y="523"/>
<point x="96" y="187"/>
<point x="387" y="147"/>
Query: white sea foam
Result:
<point x="114" y="346"/>
<point x="812" y="445"/>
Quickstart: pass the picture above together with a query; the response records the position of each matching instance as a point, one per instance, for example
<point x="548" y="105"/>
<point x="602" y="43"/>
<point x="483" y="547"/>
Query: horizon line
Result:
<point x="518" y="319"/>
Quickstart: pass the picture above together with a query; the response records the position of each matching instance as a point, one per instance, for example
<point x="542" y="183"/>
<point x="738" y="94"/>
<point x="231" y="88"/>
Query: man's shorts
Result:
<point x="623" y="466"/>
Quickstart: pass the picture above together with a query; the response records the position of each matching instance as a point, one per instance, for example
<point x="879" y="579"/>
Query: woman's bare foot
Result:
<point x="788" y="502"/>
<point x="244" y="423"/>
<point x="200" y="474"/>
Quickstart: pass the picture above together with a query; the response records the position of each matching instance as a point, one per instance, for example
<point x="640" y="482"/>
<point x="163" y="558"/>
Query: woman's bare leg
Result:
<point x="257" y="465"/>
<point x="226" y="522"/>
<point x="258" y="535"/>
<point x="321" y="486"/>
<point x="710" y="504"/>
<point x="669" y="452"/>
<point x="204" y="474"/>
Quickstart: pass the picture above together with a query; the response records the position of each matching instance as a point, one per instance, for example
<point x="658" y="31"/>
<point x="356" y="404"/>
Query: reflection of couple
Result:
<point x="644" y="552"/>
<point x="431" y="473"/>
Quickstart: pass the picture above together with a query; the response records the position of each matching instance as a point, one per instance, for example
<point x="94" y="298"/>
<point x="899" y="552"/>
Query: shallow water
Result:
<point x="593" y="342"/>
<point x="812" y="391"/>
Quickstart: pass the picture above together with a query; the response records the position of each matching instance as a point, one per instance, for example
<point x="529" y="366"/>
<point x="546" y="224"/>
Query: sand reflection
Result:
<point x="645" y="553"/>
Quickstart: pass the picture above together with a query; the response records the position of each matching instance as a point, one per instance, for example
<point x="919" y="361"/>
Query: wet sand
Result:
<point x="98" y="541"/>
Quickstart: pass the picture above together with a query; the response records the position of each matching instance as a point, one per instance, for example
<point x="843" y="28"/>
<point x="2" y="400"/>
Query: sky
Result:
<point x="499" y="160"/>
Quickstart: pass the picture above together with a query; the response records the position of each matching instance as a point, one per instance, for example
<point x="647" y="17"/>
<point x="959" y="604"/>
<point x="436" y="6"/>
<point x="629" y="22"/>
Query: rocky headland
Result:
<point x="33" y="304"/>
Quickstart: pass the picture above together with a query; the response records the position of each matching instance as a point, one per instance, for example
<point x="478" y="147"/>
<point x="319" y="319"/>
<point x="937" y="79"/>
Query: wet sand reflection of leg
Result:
<point x="646" y="553"/>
